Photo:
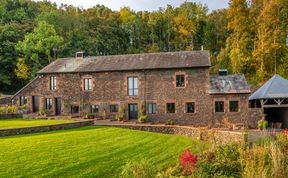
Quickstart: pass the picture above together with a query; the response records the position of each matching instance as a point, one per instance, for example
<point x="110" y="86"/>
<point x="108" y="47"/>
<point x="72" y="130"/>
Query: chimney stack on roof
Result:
<point x="80" y="54"/>
<point x="223" y="72"/>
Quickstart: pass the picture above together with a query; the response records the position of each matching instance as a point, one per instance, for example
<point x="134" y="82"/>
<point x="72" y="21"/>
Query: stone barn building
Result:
<point x="172" y="85"/>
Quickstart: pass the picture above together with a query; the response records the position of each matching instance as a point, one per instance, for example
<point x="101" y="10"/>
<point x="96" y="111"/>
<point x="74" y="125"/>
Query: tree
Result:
<point x="37" y="46"/>
<point x="270" y="50"/>
<point x="22" y="70"/>
<point x="239" y="43"/>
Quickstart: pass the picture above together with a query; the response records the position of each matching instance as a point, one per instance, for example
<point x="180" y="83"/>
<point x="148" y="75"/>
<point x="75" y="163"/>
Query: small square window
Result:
<point x="190" y="107"/>
<point x="114" y="108"/>
<point x="233" y="106"/>
<point x="151" y="108"/>
<point x="180" y="80"/>
<point x="170" y="107"/>
<point x="94" y="108"/>
<point x="219" y="106"/>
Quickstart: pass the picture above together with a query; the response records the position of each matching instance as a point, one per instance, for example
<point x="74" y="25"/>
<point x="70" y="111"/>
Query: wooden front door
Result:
<point x="133" y="111"/>
<point x="35" y="103"/>
<point x="57" y="106"/>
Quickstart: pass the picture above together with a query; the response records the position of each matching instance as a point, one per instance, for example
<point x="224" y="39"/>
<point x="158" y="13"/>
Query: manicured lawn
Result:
<point x="91" y="151"/>
<point x="16" y="123"/>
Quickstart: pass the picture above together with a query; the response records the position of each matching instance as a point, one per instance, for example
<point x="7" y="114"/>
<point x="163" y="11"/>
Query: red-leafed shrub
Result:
<point x="188" y="161"/>
<point x="285" y="132"/>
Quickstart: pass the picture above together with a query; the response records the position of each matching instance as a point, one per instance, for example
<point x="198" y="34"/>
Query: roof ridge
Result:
<point x="272" y="81"/>
<point x="138" y="54"/>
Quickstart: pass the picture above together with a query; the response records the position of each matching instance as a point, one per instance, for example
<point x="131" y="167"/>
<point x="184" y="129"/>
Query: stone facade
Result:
<point x="155" y="85"/>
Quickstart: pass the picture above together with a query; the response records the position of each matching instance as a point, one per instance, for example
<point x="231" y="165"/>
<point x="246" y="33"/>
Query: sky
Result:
<point x="138" y="5"/>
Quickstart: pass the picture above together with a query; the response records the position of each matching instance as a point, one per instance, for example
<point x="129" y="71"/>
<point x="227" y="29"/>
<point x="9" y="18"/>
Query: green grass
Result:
<point x="17" y="123"/>
<point x="92" y="151"/>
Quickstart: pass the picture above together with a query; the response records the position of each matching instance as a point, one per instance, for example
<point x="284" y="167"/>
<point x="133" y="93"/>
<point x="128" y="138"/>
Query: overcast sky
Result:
<point x="137" y="5"/>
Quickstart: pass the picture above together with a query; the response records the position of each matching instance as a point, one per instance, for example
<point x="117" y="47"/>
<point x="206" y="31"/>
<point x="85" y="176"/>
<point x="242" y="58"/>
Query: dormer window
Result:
<point x="53" y="83"/>
<point x="180" y="80"/>
<point x="87" y="84"/>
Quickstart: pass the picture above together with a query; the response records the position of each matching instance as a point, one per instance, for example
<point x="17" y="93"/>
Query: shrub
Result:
<point x="170" y="122"/>
<point x="122" y="112"/>
<point x="42" y="112"/>
<point x="90" y="116"/>
<point x="278" y="161"/>
<point x="104" y="114"/>
<point x="254" y="162"/>
<point x="142" y="169"/>
<point x="227" y="160"/>
<point x="143" y="117"/>
<point x="11" y="109"/>
<point x="188" y="162"/>
<point x="3" y="110"/>
<point x="265" y="124"/>
<point x="260" y="124"/>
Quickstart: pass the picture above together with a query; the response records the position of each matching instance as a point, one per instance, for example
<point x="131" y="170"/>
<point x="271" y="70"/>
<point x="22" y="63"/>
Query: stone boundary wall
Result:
<point x="10" y="116"/>
<point x="211" y="135"/>
<point x="36" y="129"/>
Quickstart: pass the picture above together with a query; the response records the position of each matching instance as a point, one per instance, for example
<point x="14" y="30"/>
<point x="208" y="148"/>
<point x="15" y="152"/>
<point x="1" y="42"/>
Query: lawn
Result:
<point x="16" y="123"/>
<point x="92" y="151"/>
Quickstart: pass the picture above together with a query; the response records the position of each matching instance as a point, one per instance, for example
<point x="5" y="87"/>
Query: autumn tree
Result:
<point x="270" y="46"/>
<point x="239" y="43"/>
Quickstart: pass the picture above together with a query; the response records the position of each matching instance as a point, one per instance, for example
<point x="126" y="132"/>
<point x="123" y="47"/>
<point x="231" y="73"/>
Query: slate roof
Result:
<point x="275" y="87"/>
<point x="147" y="61"/>
<point x="229" y="84"/>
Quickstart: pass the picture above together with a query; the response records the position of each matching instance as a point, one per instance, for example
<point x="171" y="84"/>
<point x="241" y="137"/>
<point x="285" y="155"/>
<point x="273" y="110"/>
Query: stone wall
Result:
<point x="28" y="130"/>
<point x="210" y="135"/>
<point x="157" y="86"/>
<point x="10" y="116"/>
<point x="255" y="114"/>
<point x="242" y="116"/>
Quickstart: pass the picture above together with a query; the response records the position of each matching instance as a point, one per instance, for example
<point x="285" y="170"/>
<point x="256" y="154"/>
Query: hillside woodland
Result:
<point x="248" y="37"/>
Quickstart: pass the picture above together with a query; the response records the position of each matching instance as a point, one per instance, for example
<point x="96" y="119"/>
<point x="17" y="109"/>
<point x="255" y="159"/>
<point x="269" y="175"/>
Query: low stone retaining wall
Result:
<point x="211" y="135"/>
<point x="10" y="116"/>
<point x="185" y="131"/>
<point x="36" y="129"/>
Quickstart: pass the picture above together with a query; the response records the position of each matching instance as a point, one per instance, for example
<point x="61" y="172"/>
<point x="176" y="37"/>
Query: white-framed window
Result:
<point x="132" y="86"/>
<point x="87" y="84"/>
<point x="48" y="103"/>
<point x="23" y="100"/>
<point x="151" y="108"/>
<point x="94" y="108"/>
<point x="180" y="80"/>
<point x="53" y="83"/>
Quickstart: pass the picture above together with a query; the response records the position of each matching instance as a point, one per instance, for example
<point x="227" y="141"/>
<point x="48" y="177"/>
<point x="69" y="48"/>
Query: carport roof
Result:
<point x="275" y="87"/>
